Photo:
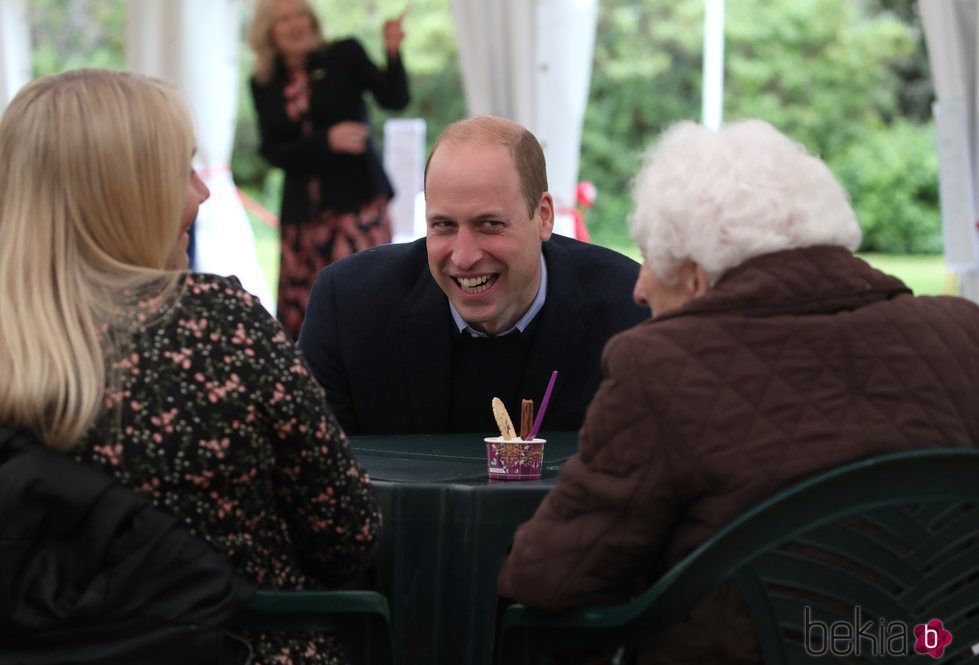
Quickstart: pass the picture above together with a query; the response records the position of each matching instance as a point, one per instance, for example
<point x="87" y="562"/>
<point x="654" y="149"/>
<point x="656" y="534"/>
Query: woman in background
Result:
<point x="178" y="385"/>
<point x="309" y="96"/>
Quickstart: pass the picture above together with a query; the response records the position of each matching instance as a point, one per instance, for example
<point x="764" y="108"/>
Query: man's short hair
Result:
<point x="525" y="150"/>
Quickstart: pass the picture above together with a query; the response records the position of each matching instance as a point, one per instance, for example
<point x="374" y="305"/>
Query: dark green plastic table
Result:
<point x="446" y="530"/>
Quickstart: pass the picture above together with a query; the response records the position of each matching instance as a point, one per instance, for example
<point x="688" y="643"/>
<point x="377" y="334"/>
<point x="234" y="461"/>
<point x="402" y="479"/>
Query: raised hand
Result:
<point x="393" y="31"/>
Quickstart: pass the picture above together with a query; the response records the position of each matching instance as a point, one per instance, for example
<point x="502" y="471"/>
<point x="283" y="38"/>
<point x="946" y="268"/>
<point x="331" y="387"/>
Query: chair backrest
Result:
<point x="358" y="619"/>
<point x="892" y="540"/>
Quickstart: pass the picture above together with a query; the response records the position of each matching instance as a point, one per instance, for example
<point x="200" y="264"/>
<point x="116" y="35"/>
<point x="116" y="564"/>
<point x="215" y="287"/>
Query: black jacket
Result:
<point x="340" y="73"/>
<point x="378" y="332"/>
<point x="90" y="572"/>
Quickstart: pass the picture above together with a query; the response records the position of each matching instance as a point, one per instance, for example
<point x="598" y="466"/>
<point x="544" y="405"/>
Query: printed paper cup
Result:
<point x="514" y="460"/>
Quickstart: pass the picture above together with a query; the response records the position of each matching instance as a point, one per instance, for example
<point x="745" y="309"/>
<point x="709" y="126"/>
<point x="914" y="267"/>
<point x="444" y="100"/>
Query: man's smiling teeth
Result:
<point x="476" y="284"/>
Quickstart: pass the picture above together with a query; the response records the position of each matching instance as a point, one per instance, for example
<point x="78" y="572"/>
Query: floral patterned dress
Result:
<point x="215" y="416"/>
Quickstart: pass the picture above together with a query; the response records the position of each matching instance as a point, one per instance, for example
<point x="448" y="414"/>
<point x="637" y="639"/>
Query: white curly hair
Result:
<point x="719" y="198"/>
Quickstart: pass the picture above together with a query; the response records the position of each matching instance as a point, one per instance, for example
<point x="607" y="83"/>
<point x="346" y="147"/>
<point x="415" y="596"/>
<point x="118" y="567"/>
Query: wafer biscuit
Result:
<point x="503" y="420"/>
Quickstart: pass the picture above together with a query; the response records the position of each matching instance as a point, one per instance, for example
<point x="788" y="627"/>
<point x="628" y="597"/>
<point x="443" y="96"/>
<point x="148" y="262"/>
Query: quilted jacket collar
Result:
<point x="810" y="280"/>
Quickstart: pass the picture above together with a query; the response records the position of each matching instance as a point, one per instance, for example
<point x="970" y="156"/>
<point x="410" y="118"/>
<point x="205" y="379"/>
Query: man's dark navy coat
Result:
<point x="378" y="336"/>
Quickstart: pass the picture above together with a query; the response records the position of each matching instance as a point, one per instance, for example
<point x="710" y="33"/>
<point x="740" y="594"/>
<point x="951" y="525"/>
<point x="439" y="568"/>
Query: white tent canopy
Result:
<point x="951" y="30"/>
<point x="15" y="52"/>
<point x="530" y="61"/>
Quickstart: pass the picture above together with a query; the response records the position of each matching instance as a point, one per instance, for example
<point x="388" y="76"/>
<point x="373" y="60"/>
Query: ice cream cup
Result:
<point x="515" y="459"/>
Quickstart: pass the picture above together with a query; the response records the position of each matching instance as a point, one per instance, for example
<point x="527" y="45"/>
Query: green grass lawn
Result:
<point x="926" y="275"/>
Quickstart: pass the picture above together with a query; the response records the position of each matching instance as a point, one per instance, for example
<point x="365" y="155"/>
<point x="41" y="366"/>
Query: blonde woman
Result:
<point x="178" y="385"/>
<point x="309" y="96"/>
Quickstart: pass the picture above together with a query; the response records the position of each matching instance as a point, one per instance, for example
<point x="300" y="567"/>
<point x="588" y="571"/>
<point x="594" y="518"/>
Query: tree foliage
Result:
<point x="829" y="73"/>
<point x="822" y="73"/>
<point x="646" y="75"/>
<point x="77" y="33"/>
<point x="891" y="174"/>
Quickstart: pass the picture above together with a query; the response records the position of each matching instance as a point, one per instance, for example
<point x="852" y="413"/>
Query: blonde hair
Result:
<point x="94" y="170"/>
<point x="260" y="36"/>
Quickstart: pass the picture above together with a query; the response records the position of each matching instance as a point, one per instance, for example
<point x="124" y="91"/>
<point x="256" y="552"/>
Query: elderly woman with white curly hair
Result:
<point x="773" y="353"/>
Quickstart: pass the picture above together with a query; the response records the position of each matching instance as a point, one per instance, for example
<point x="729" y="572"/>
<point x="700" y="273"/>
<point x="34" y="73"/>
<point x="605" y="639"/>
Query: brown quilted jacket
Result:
<point x="794" y="362"/>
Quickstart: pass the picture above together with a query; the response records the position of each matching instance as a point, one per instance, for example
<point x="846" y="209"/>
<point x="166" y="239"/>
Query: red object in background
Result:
<point x="580" y="230"/>
<point x="585" y="194"/>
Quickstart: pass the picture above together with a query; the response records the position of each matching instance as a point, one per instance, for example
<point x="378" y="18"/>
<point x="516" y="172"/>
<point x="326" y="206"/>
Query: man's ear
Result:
<point x="546" y="211"/>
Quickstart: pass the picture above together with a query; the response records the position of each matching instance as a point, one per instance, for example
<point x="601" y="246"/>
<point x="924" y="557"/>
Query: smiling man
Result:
<point x="418" y="337"/>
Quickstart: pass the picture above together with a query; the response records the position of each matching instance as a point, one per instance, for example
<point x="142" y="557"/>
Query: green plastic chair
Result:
<point x="359" y="619"/>
<point x="896" y="535"/>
